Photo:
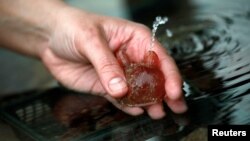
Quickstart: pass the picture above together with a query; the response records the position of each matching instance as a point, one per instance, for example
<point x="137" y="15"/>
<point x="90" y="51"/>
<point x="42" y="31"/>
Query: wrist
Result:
<point x="48" y="22"/>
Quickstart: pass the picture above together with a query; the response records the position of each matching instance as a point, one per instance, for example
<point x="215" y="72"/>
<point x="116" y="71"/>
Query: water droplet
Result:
<point x="158" y="21"/>
<point x="169" y="33"/>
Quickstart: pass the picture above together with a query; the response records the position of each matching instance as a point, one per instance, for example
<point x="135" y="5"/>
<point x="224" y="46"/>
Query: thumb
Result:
<point x="109" y="71"/>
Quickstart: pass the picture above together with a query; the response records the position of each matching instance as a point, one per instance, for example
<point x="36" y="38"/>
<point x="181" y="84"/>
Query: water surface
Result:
<point x="212" y="49"/>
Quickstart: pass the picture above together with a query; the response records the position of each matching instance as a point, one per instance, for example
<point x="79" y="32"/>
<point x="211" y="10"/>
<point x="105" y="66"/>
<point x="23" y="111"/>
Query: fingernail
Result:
<point x="117" y="85"/>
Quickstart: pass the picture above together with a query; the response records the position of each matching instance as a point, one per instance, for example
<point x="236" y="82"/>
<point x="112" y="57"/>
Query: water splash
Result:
<point x="169" y="33"/>
<point x="158" y="21"/>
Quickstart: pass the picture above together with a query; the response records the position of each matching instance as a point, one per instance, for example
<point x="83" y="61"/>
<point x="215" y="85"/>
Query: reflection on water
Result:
<point x="212" y="51"/>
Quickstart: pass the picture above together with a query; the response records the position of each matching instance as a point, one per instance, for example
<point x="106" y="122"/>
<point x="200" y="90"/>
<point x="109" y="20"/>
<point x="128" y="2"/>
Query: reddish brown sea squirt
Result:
<point x="145" y="79"/>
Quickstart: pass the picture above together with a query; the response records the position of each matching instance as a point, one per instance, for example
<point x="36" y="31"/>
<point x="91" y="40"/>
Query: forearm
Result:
<point x="25" y="25"/>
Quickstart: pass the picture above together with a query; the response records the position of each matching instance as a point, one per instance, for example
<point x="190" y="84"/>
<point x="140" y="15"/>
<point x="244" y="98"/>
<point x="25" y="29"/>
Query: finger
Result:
<point x="174" y="97"/>
<point x="171" y="72"/>
<point x="173" y="84"/>
<point x="155" y="111"/>
<point x="178" y="106"/>
<point x="134" y="111"/>
<point x="107" y="67"/>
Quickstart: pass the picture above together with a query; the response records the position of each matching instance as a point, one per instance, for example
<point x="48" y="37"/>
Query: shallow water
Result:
<point x="212" y="50"/>
<point x="158" y="21"/>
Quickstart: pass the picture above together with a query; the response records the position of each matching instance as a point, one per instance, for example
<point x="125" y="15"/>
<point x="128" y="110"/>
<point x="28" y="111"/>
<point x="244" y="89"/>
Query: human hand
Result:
<point x="80" y="55"/>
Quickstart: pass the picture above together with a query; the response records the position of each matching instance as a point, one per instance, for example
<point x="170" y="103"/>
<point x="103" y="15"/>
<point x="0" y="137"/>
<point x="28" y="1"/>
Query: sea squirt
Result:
<point x="145" y="79"/>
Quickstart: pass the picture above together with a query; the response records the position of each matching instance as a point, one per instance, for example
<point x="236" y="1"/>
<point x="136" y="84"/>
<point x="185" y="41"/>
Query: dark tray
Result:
<point x="31" y="115"/>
